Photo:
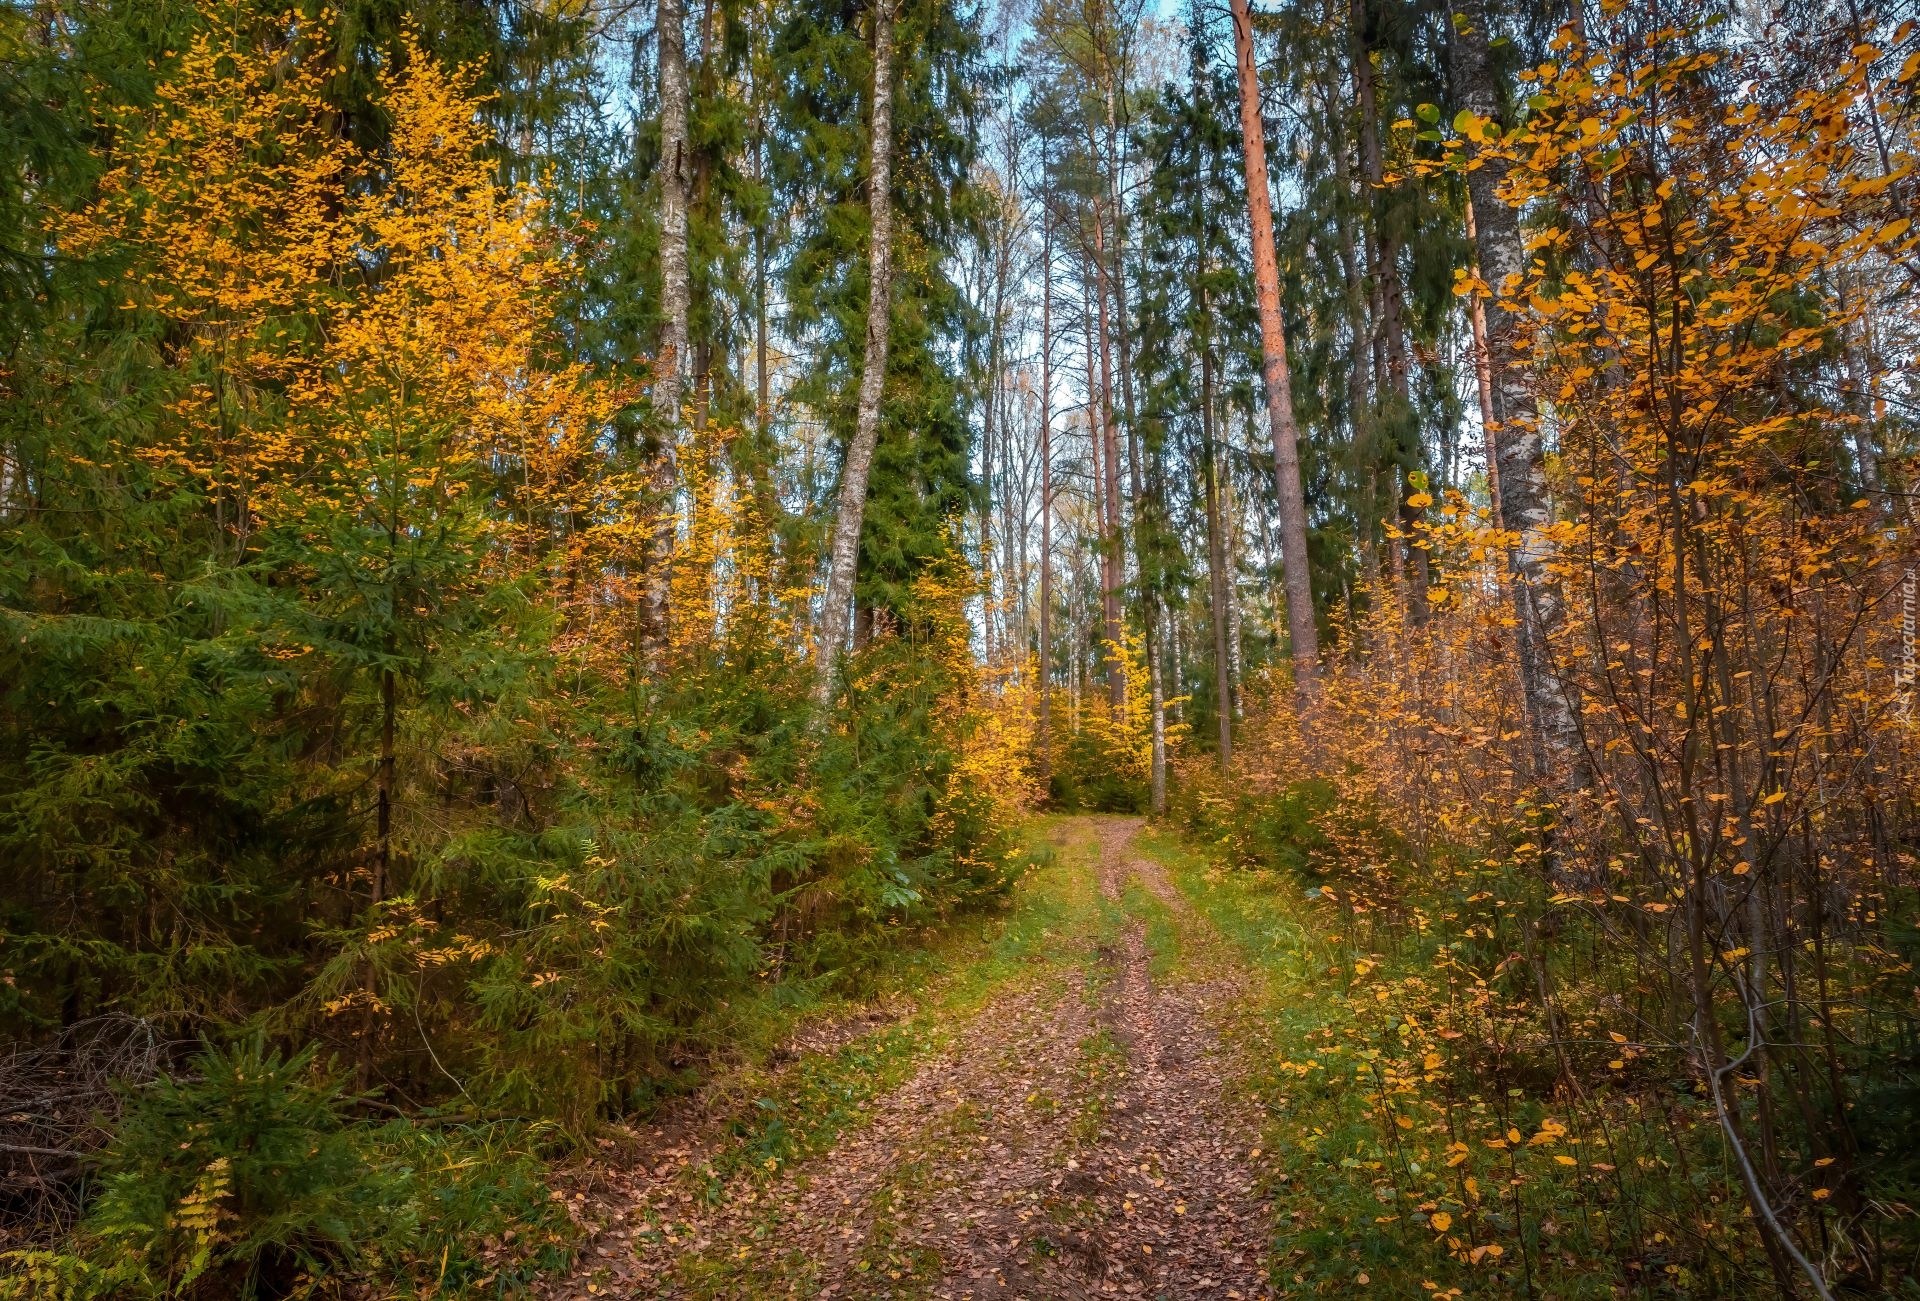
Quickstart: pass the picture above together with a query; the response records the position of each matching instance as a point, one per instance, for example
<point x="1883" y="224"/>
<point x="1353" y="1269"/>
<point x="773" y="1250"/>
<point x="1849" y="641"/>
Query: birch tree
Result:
<point x="1521" y="470"/>
<point x="843" y="559"/>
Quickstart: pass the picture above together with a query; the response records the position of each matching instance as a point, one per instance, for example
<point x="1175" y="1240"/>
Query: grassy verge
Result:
<point x="1396" y="1169"/>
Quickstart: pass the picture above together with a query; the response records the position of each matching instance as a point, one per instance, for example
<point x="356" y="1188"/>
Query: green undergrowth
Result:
<point x="258" y="1174"/>
<point x="976" y="946"/>
<point x="251" y="1176"/>
<point x="1394" y="1167"/>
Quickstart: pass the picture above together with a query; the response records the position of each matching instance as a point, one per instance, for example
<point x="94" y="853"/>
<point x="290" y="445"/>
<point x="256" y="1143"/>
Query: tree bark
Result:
<point x="1483" y="374"/>
<point x="995" y="330"/>
<point x="383" y="814"/>
<point x="1522" y="457"/>
<point x="986" y="525"/>
<point x="1860" y="401"/>
<point x="1096" y="465"/>
<point x="1146" y="502"/>
<point x="670" y="364"/>
<point x="1216" y="559"/>
<point x="9" y="476"/>
<point x="760" y="466"/>
<point x="1230" y="525"/>
<point x="1046" y="500"/>
<point x="1273" y="344"/>
<point x="1359" y="362"/>
<point x="671" y="22"/>
<point x="762" y="408"/>
<point x="843" y="560"/>
<point x="1013" y="535"/>
<point x="1111" y="563"/>
<point x="698" y="196"/>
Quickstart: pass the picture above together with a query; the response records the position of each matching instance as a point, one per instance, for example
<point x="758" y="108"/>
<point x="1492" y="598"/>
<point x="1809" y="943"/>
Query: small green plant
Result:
<point x="242" y="1177"/>
<point x="248" y="1177"/>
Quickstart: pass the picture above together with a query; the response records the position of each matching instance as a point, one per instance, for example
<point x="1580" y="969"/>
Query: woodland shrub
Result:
<point x="1087" y="780"/>
<point x="1267" y="827"/>
<point x="1102" y="758"/>
<point x="1489" y="1049"/>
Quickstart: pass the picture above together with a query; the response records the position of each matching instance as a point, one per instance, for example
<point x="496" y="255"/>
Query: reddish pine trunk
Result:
<point x="1273" y="346"/>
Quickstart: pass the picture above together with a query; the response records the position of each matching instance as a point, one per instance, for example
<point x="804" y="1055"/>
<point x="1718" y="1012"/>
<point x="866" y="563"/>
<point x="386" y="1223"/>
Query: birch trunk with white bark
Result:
<point x="671" y="21"/>
<point x="1522" y="468"/>
<point x="670" y="364"/>
<point x="844" y="558"/>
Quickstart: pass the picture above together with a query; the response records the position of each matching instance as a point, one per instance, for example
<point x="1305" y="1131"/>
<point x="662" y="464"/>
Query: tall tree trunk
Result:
<point x="1359" y="368"/>
<point x="699" y="196"/>
<point x="1096" y="464"/>
<point x="383" y="814"/>
<point x="1111" y="563"/>
<point x="1216" y="554"/>
<point x="1522" y="459"/>
<point x="702" y="378"/>
<point x="9" y="476"/>
<point x="1859" y="401"/>
<point x="986" y="525"/>
<point x="761" y="464"/>
<point x="1377" y="450"/>
<point x="1046" y="499"/>
<point x="670" y="26"/>
<point x="995" y="329"/>
<point x="1013" y="538"/>
<point x="1230" y="526"/>
<point x="1013" y="534"/>
<point x="762" y="408"/>
<point x="671" y="363"/>
<point x="1483" y="373"/>
<point x="1273" y="345"/>
<point x="1209" y="459"/>
<point x="844" y="558"/>
<point x="1146" y="506"/>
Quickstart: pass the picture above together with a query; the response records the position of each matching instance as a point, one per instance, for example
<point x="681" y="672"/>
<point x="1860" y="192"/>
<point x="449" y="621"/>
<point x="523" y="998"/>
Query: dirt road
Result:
<point x="1077" y="1136"/>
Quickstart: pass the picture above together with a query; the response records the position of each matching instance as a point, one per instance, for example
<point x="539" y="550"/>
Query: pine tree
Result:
<point x="1195" y="298"/>
<point x="1280" y="415"/>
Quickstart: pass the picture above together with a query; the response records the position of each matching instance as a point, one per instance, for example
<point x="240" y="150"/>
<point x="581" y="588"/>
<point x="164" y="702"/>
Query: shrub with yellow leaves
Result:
<point x="1682" y="942"/>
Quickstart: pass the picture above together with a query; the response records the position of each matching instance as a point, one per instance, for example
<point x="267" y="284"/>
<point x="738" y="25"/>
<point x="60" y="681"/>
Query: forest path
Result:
<point x="1077" y="1134"/>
